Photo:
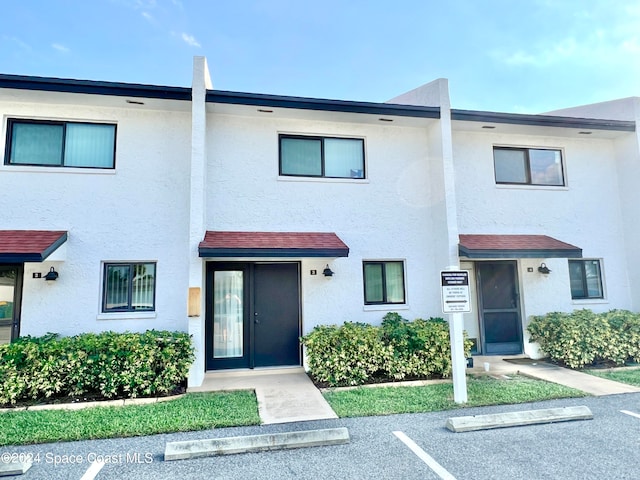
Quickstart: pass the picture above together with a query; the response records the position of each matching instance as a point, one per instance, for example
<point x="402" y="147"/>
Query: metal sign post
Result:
<point x="455" y="302"/>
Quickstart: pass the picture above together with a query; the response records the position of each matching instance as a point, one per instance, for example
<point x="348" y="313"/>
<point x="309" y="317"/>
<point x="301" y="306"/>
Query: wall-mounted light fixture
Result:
<point x="52" y="275"/>
<point x="544" y="269"/>
<point x="327" y="272"/>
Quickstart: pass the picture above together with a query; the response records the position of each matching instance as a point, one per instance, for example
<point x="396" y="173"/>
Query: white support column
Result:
<point x="456" y="321"/>
<point x="197" y="214"/>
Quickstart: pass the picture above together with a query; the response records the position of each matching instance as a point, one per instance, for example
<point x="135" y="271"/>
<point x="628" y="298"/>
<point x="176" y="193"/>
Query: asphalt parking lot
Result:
<point x="605" y="447"/>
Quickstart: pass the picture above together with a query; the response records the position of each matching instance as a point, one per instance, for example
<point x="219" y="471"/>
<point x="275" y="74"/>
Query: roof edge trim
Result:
<point x="306" y="103"/>
<point x="91" y="87"/>
<point x="543" y="120"/>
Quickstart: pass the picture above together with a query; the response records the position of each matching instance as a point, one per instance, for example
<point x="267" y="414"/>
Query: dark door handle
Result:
<point x="255" y="320"/>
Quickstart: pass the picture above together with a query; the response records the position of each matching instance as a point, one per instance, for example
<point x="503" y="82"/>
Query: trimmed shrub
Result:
<point x="420" y="348"/>
<point x="583" y="338"/>
<point x="108" y="364"/>
<point x="346" y="355"/>
<point x="355" y="353"/>
<point x="627" y="326"/>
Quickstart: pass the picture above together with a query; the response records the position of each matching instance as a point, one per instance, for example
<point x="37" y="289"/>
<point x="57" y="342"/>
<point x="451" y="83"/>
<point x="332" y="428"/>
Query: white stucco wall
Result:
<point x="385" y="217"/>
<point x="137" y="212"/>
<point x="627" y="151"/>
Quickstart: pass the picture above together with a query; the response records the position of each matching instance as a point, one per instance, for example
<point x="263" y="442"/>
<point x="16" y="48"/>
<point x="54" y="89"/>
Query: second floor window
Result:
<point x="328" y="157"/>
<point x="60" y="144"/>
<point x="528" y="166"/>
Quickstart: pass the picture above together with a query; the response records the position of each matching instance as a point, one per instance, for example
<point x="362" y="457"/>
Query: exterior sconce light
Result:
<point x="327" y="272"/>
<point x="544" y="269"/>
<point x="52" y="275"/>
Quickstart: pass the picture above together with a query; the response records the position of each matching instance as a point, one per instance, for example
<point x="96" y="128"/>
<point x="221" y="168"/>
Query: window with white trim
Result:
<point x="60" y="144"/>
<point x="585" y="277"/>
<point x="383" y="282"/>
<point x="129" y="287"/>
<point x="528" y="166"/>
<point x="328" y="157"/>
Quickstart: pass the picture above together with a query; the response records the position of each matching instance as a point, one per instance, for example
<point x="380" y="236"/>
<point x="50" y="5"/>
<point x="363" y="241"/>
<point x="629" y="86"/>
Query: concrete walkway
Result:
<point x="284" y="394"/>
<point x="552" y="373"/>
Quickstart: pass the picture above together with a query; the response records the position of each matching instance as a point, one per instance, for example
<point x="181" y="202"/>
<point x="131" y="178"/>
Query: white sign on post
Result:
<point x="456" y="301"/>
<point x="455" y="291"/>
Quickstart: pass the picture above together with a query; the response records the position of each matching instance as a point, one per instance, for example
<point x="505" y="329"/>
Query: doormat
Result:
<point x="526" y="361"/>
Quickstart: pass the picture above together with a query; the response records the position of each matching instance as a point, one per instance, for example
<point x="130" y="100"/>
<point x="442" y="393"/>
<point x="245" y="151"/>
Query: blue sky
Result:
<point x="523" y="56"/>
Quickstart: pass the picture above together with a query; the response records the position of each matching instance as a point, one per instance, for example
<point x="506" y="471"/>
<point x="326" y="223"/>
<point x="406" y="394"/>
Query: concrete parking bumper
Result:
<point x="515" y="419"/>
<point x="255" y="443"/>
<point x="12" y="468"/>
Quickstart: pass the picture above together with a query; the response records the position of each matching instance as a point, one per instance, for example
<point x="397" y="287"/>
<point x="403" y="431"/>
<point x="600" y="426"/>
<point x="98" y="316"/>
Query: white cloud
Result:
<point x="18" y="42"/>
<point x="149" y="18"/>
<point x="190" y="40"/>
<point x="597" y="36"/>
<point x="60" y="48"/>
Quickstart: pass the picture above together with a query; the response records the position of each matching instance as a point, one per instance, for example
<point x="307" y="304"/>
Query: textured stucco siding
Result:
<point x="137" y="212"/>
<point x="386" y="217"/>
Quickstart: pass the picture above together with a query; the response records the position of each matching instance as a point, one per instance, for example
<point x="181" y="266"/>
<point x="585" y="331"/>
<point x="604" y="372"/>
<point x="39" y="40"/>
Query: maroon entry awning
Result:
<point x="272" y="244"/>
<point x="515" y="246"/>
<point x="17" y="246"/>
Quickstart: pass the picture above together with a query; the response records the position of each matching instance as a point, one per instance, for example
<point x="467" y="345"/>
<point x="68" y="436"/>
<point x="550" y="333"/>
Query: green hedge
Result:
<point x="583" y="338"/>
<point x="355" y="353"/>
<point x="108" y="364"/>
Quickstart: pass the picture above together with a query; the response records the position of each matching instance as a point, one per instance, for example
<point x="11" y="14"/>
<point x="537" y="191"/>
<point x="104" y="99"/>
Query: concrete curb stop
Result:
<point x="255" y="443"/>
<point x="10" y="469"/>
<point x="515" y="419"/>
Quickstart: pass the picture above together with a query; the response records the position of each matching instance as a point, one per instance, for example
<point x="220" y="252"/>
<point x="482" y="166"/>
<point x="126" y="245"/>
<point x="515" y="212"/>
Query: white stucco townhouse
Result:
<point x="248" y="219"/>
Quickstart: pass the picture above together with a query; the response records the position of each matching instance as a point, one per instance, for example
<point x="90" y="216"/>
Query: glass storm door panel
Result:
<point x="499" y="306"/>
<point x="9" y="303"/>
<point x="227" y="332"/>
<point x="228" y="314"/>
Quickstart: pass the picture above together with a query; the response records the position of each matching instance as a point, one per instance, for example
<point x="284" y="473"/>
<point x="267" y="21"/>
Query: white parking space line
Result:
<point x="633" y="414"/>
<point x="425" y="457"/>
<point x="93" y="470"/>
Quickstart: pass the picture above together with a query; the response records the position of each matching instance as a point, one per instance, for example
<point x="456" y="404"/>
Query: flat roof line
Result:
<point x="306" y="103"/>
<point x="49" y="84"/>
<point x="542" y="120"/>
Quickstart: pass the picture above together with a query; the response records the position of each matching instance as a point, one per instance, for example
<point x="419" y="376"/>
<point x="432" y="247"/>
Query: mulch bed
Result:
<point x="89" y="397"/>
<point x="375" y="380"/>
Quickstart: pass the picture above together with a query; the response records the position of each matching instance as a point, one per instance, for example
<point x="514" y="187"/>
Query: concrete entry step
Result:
<point x="284" y="394"/>
<point x="255" y="443"/>
<point x="515" y="419"/>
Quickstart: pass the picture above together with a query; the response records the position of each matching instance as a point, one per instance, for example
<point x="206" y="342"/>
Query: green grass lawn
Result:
<point x="199" y="411"/>
<point x="483" y="390"/>
<point x="627" y="375"/>
<point x="194" y="411"/>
